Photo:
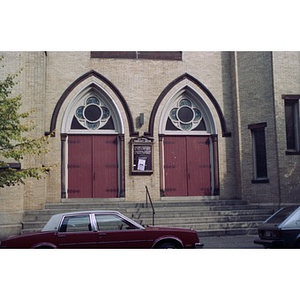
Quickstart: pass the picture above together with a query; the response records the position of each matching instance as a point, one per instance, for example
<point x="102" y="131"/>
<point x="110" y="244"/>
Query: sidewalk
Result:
<point x="230" y="242"/>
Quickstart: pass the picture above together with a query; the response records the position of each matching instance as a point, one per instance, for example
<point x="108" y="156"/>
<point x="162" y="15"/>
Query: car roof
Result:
<point x="86" y="212"/>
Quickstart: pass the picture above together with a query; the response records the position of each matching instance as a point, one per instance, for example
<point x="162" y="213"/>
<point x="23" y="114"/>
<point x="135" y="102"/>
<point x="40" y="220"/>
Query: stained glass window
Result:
<point x="92" y="115"/>
<point x="185" y="116"/>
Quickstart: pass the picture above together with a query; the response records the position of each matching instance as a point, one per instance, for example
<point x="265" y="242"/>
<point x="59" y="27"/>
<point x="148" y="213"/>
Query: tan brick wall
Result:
<point x="255" y="105"/>
<point x="286" y="81"/>
<point x="242" y="83"/>
<point x="140" y="82"/>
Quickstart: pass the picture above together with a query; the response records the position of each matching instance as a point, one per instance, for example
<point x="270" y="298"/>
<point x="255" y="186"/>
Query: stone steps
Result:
<point x="207" y="216"/>
<point x="201" y="220"/>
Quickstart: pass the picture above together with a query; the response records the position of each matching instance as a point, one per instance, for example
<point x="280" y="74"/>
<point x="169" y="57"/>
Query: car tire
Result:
<point x="167" y="245"/>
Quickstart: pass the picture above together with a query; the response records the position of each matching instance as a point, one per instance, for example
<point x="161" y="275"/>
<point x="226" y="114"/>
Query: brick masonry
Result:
<point x="247" y="86"/>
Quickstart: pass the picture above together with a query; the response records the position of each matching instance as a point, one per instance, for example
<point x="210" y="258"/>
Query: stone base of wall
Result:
<point x="10" y="224"/>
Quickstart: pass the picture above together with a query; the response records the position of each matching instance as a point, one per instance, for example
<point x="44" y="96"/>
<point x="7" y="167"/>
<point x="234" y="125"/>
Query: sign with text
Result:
<point x="141" y="156"/>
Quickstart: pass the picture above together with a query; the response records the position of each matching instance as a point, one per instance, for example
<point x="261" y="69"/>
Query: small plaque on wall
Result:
<point x="141" y="156"/>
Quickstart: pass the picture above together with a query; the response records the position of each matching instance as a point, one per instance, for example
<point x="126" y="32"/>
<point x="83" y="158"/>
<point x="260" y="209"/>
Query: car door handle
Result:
<point x="62" y="235"/>
<point x="102" y="233"/>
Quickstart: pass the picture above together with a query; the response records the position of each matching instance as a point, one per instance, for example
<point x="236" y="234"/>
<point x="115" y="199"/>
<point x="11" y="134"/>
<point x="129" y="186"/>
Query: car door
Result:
<point x="116" y="232"/>
<point x="76" y="232"/>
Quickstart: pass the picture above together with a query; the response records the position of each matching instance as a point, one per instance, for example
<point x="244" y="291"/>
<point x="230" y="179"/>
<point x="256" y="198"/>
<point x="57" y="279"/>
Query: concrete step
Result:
<point x="224" y="232"/>
<point x="41" y="220"/>
<point x="217" y="226"/>
<point x="106" y="204"/>
<point x="89" y="206"/>
<point x="44" y="215"/>
<point x="207" y="216"/>
<point x="33" y="225"/>
<point x="195" y="203"/>
<point x="200" y="220"/>
<point x="199" y="213"/>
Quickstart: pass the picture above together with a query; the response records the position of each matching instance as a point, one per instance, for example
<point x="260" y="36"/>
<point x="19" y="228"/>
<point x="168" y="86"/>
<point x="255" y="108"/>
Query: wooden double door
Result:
<point x="92" y="166"/>
<point x="187" y="167"/>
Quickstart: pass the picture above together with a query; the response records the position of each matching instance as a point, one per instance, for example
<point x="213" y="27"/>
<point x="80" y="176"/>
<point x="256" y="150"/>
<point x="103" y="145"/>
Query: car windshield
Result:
<point x="281" y="215"/>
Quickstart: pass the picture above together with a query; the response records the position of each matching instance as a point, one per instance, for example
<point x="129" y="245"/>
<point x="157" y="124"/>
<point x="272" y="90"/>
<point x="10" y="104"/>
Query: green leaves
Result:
<point x="11" y="177"/>
<point x="15" y="142"/>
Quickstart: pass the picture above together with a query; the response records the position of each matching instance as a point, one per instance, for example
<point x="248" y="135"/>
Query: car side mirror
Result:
<point x="298" y="222"/>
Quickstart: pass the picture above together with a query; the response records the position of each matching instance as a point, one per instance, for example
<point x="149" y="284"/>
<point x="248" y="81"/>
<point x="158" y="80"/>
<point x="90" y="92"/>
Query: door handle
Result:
<point x="62" y="235"/>
<point x="102" y="233"/>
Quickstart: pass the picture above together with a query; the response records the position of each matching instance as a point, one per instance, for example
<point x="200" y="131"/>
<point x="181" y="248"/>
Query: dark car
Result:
<point x="102" y="229"/>
<point x="281" y="230"/>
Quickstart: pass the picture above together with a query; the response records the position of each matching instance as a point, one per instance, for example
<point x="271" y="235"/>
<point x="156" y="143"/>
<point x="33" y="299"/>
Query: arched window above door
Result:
<point x="187" y="86"/>
<point x="187" y="113"/>
<point x="92" y="114"/>
<point x="185" y="116"/>
<point x="98" y="86"/>
<point x="92" y="111"/>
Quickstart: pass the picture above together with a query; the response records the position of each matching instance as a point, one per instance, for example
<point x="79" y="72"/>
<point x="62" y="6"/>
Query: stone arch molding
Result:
<point x="93" y="84"/>
<point x="190" y="94"/>
<point x="93" y="90"/>
<point x="189" y="87"/>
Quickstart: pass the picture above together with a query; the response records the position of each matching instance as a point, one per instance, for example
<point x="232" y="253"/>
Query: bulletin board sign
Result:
<point x="142" y="156"/>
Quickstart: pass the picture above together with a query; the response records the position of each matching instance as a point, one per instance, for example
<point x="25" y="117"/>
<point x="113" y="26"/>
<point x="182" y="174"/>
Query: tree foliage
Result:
<point x="14" y="141"/>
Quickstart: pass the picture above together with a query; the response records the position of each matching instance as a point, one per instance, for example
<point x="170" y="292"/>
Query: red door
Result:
<point x="187" y="166"/>
<point x="80" y="183"/>
<point x="105" y="166"/>
<point x="92" y="166"/>
<point x="175" y="166"/>
<point x="198" y="166"/>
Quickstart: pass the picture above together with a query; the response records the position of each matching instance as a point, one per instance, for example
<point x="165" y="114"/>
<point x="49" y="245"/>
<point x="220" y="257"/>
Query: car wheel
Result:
<point x="167" y="245"/>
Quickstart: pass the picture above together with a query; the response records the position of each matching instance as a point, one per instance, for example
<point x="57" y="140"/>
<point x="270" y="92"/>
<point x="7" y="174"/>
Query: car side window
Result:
<point x="75" y="224"/>
<point x="108" y="222"/>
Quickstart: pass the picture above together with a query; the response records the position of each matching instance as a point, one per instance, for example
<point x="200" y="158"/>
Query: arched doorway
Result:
<point x="187" y="135"/>
<point x="174" y="119"/>
<point x="92" y="145"/>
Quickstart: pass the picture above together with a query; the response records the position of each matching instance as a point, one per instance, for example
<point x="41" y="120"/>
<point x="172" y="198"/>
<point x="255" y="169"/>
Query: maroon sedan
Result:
<point x="102" y="229"/>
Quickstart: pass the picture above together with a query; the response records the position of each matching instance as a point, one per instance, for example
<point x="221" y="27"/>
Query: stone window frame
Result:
<point x="293" y="102"/>
<point x="256" y="129"/>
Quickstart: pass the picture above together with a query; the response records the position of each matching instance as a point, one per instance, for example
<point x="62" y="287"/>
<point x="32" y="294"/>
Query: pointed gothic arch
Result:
<point x="209" y="97"/>
<point x="92" y="138"/>
<point x="73" y="86"/>
<point x="187" y="117"/>
<point x="186" y="112"/>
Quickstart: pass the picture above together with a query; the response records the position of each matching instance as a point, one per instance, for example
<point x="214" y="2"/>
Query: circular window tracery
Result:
<point x="185" y="116"/>
<point x="92" y="115"/>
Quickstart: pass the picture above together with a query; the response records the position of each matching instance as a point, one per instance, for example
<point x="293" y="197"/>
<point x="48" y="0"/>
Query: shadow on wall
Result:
<point x="231" y="180"/>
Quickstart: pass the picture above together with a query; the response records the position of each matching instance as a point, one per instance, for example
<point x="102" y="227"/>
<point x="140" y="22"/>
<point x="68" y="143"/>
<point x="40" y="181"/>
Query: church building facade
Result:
<point x="188" y="125"/>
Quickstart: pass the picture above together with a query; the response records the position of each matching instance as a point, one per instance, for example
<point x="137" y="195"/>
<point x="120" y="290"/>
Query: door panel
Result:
<point x="92" y="166"/>
<point x="175" y="166"/>
<point x="198" y="166"/>
<point x="105" y="166"/>
<point x="76" y="232"/>
<point x="79" y="166"/>
<point x="122" y="239"/>
<point x="79" y="240"/>
<point x="116" y="232"/>
<point x="187" y="166"/>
